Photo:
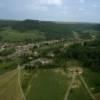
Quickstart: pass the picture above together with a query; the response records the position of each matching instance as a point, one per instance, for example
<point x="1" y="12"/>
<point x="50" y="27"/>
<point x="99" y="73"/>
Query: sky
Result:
<point x="51" y="10"/>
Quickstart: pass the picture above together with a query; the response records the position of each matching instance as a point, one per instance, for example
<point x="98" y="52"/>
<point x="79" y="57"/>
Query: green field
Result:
<point x="47" y="85"/>
<point x="11" y="35"/>
<point x="93" y="80"/>
<point x="79" y="94"/>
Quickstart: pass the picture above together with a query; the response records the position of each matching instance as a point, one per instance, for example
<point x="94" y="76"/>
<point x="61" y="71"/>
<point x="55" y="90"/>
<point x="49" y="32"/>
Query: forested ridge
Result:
<point x="46" y="30"/>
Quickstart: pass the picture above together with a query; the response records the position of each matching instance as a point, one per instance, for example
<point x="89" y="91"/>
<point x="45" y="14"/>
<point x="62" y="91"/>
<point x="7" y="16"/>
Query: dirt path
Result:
<point x="30" y="83"/>
<point x="19" y="82"/>
<point x="87" y="88"/>
<point x="69" y="88"/>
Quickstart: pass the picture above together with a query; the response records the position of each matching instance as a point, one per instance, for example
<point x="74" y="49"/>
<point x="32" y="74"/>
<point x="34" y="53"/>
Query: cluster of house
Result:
<point x="75" y="70"/>
<point x="30" y="50"/>
<point x="4" y="46"/>
<point x="37" y="63"/>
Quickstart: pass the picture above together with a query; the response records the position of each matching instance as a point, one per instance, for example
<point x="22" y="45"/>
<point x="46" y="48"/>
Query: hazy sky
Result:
<point x="57" y="10"/>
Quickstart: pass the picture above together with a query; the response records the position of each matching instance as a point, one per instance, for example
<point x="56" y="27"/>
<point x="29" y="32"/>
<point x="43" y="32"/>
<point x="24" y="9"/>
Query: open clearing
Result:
<point x="55" y="84"/>
<point x="44" y="84"/>
<point x="79" y="94"/>
<point x="9" y="86"/>
<point x="47" y="85"/>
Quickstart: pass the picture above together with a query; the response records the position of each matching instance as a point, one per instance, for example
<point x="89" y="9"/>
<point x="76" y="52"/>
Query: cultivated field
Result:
<point x="9" y="86"/>
<point x="46" y="85"/>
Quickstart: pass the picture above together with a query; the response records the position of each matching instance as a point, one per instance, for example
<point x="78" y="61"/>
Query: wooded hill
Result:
<point x="43" y="30"/>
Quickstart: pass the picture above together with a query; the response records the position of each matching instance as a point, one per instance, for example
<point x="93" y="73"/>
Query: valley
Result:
<point x="58" y="62"/>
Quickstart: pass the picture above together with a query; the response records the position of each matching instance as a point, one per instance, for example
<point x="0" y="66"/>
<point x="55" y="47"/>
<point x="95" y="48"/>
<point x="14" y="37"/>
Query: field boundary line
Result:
<point x="29" y="85"/>
<point x="69" y="88"/>
<point x="19" y="81"/>
<point x="87" y="88"/>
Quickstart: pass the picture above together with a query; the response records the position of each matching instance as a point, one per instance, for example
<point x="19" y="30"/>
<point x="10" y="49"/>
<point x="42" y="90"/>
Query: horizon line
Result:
<point x="55" y="21"/>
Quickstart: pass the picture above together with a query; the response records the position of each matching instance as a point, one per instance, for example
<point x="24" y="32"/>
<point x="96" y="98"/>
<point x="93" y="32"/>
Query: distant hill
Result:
<point x="7" y="23"/>
<point x="50" y="30"/>
<point x="26" y="25"/>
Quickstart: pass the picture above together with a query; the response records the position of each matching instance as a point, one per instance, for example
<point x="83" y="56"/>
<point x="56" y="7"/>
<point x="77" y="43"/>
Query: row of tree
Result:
<point x="88" y="54"/>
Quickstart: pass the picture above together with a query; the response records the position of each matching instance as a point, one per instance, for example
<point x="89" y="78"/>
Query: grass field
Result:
<point x="7" y="66"/>
<point x="79" y="94"/>
<point x="16" y="36"/>
<point x="93" y="80"/>
<point x="52" y="84"/>
<point x="48" y="84"/>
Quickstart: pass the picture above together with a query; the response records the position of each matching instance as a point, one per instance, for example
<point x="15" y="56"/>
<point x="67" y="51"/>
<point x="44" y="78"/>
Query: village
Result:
<point x="40" y="57"/>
